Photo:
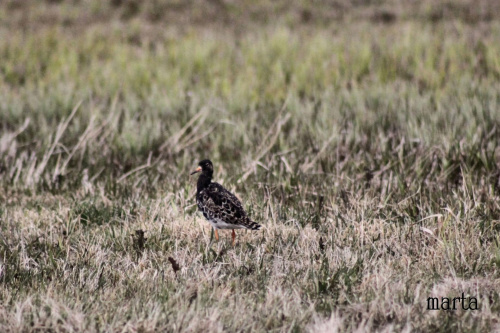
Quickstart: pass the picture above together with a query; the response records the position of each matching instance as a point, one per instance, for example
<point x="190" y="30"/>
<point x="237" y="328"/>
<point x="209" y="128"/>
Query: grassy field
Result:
<point x="364" y="136"/>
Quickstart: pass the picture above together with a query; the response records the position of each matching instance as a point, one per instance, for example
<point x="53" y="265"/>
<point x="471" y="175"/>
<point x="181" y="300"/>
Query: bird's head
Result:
<point x="205" y="167"/>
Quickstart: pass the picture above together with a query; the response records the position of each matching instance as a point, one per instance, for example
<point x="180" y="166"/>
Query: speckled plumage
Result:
<point x="219" y="206"/>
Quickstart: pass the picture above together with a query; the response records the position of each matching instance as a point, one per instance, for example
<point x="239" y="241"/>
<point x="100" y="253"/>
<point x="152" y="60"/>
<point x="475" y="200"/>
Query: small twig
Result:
<point x="175" y="265"/>
<point x="139" y="241"/>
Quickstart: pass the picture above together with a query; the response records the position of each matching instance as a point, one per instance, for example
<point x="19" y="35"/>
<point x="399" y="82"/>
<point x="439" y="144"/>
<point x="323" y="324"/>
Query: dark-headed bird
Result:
<point x="219" y="206"/>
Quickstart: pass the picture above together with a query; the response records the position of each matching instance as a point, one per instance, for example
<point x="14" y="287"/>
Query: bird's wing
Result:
<point x="226" y="198"/>
<point x="217" y="202"/>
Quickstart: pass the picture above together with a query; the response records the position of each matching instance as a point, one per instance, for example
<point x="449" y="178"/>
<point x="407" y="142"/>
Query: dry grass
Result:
<point x="369" y="152"/>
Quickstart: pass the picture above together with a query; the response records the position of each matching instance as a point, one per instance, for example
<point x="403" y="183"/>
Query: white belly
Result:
<point x="223" y="225"/>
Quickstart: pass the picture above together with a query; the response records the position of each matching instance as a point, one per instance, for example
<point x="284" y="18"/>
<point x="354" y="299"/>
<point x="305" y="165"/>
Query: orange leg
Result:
<point x="216" y="235"/>
<point x="234" y="236"/>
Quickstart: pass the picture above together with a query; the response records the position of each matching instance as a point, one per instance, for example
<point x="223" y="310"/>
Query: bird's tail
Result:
<point x="253" y="225"/>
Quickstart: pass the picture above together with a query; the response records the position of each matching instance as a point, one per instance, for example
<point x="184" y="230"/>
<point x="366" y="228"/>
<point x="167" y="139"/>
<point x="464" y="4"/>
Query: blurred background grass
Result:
<point x="142" y="70"/>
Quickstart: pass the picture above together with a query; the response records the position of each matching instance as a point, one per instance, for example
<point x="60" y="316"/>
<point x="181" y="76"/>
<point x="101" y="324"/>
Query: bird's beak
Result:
<point x="198" y="169"/>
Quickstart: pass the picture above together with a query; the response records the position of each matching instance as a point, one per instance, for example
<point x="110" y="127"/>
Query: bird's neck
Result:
<point x="203" y="181"/>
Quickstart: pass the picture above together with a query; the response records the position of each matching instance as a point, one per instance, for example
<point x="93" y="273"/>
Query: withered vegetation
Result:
<point x="364" y="136"/>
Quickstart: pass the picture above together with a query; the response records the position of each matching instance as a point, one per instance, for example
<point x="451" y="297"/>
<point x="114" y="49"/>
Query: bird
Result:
<point x="219" y="206"/>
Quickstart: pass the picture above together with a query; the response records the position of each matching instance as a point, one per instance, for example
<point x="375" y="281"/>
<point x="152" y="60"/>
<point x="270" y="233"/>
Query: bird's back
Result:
<point x="223" y="209"/>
